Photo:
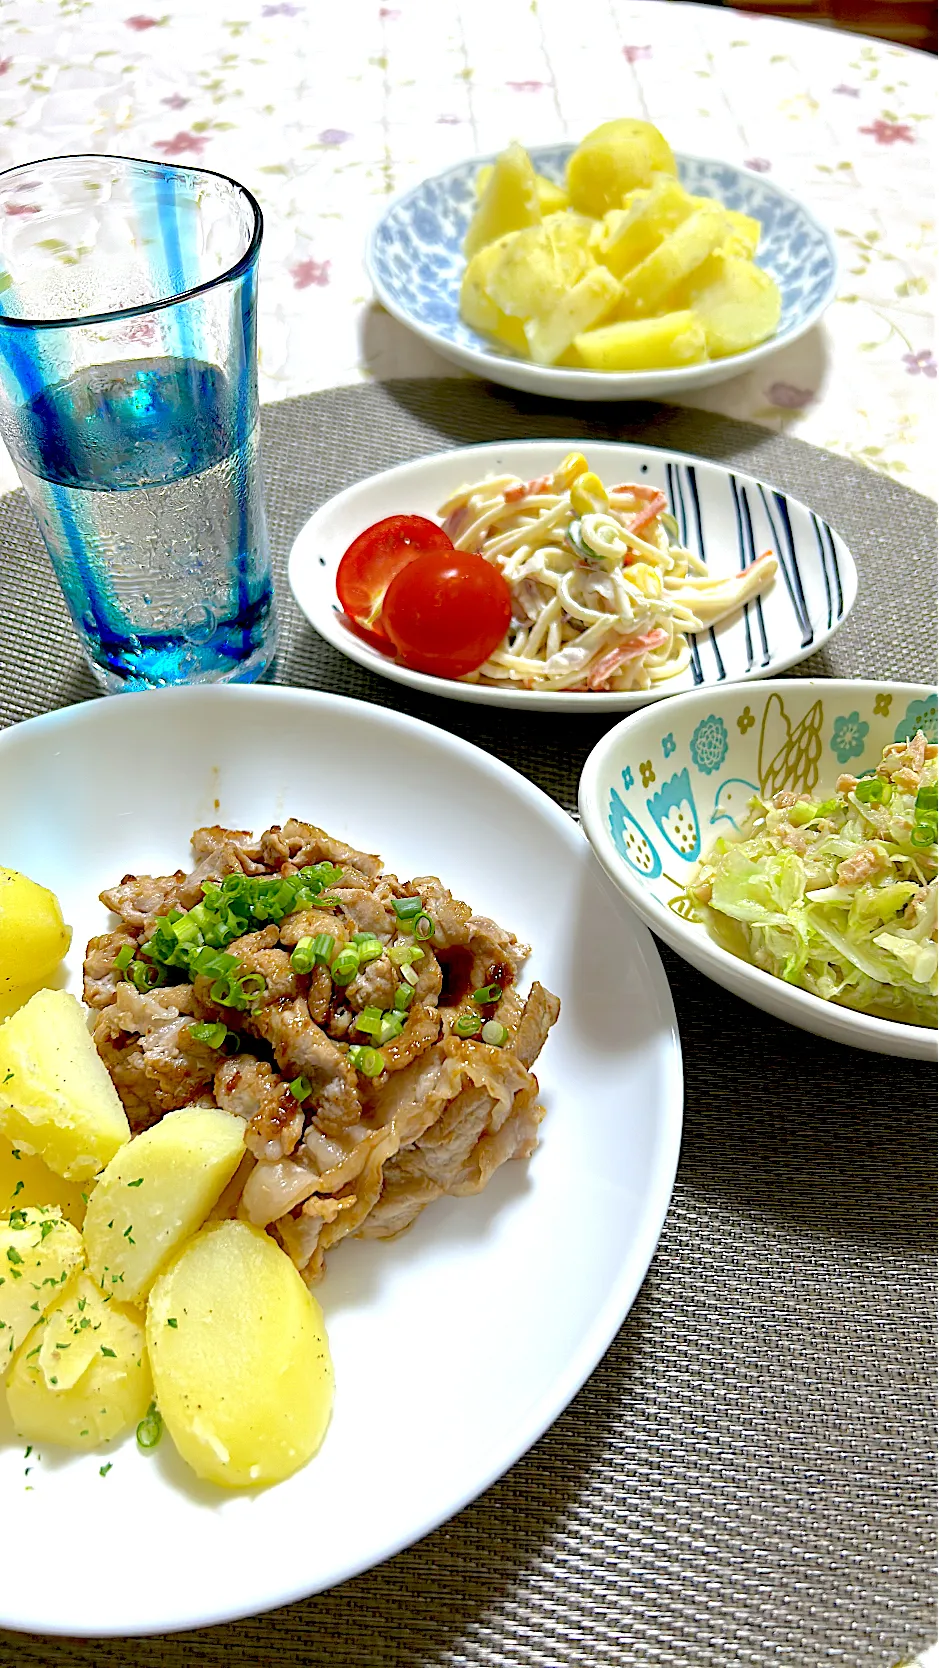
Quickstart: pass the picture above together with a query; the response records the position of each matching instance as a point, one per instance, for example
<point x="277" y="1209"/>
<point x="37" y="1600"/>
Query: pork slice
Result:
<point x="146" y="1043"/>
<point x="456" y="925"/>
<point x="366" y="912"/>
<point x="374" y="986"/>
<point x="139" y="899"/>
<point x="309" y="923"/>
<point x="429" y="979"/>
<point x="403" y="1197"/>
<point x="258" y="954"/>
<point x="208" y="841"/>
<point x="101" y="977"/>
<point x="538" y="1015"/>
<point x="301" y="1048"/>
<point x="274" y="1188"/>
<point x="421" y="1030"/>
<point x="302" y="844"/>
<point x="251" y="1089"/>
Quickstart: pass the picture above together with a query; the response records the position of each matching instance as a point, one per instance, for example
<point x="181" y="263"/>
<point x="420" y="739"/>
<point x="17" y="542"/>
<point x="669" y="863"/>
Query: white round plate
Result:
<point x="660" y="787"/>
<point x="415" y="261"/>
<point x="456" y="1345"/>
<point x="725" y="517"/>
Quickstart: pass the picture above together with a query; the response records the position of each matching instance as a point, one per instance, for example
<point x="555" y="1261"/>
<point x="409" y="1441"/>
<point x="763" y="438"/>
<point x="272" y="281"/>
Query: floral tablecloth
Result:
<point x="324" y="112"/>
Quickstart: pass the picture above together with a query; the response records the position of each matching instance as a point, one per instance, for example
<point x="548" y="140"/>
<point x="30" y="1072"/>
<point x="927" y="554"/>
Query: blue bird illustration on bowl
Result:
<point x="631" y="842"/>
<point x="673" y="811"/>
<point x="919" y="715"/>
<point x="732" y="800"/>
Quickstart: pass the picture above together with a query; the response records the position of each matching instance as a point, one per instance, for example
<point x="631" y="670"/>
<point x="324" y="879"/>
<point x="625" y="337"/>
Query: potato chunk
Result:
<point x="241" y="1364"/>
<point x="628" y="235"/>
<point x="56" y="1098"/>
<point x="26" y="1180"/>
<point x="614" y="159"/>
<point x="476" y="305"/>
<point x="745" y="234"/>
<point x="647" y="288"/>
<point x="155" y="1193"/>
<point x="738" y="304"/>
<point x="39" y="1252"/>
<point x="80" y="1400"/>
<point x="643" y="344"/>
<point x="33" y="935"/>
<point x="551" y="197"/>
<point x="509" y="201"/>
<point x="581" y="307"/>
<point x="537" y="267"/>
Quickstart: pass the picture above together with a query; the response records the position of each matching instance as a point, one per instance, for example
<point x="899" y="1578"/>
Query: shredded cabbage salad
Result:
<point x="837" y="896"/>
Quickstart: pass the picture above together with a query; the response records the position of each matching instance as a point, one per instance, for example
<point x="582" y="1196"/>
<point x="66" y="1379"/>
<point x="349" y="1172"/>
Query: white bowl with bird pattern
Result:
<point x="661" y="786"/>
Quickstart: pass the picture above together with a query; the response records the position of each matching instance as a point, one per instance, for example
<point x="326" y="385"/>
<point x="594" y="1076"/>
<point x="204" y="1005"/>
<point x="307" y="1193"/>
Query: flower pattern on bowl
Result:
<point x="709" y="744"/>
<point x="631" y="842"/>
<point x="848" y="737"/>
<point x="673" y="810"/>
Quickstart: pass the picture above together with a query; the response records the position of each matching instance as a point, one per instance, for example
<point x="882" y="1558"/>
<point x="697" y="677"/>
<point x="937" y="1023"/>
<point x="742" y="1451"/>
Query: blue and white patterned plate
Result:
<point x="415" y="261"/>
<point x="725" y="517"/>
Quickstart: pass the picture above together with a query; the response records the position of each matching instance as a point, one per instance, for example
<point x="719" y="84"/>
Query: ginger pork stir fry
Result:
<point x="370" y="1031"/>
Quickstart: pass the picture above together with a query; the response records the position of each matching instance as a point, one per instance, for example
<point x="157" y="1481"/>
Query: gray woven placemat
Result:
<point x="748" y="1477"/>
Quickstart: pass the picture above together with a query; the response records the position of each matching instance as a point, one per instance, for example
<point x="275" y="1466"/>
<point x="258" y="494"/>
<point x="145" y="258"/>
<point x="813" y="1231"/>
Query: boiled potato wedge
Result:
<point x="39" y="1253"/>
<point x="155" y="1193"/>
<point x="551" y="197"/>
<point x="509" y="201"/>
<point x="737" y="303"/>
<point x="26" y="1180"/>
<point x="476" y="306"/>
<point x="56" y="1098"/>
<point x="745" y="234"/>
<point x="94" y="1396"/>
<point x="589" y="301"/>
<point x="642" y="344"/>
<point x="614" y="159"/>
<point x="33" y="935"/>
<point x="537" y="267"/>
<point x="240" y="1360"/>
<point x="647" y="288"/>
<point x="628" y="235"/>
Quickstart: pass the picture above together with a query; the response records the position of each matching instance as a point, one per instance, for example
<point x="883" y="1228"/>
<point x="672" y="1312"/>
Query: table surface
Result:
<point x="323" y="134"/>
<point x="747" y="1477"/>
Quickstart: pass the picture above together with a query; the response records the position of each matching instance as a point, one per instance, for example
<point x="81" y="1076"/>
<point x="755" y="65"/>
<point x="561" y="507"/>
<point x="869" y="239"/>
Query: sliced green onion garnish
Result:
<point x="404" y="996"/>
<point x="408" y="973"/>
<point x="124" y="957"/>
<point x="366" y="1060"/>
<point x="872" y="790"/>
<point x="252" y="984"/>
<point x="923" y="834"/>
<point x="369" y="1021"/>
<point x="494" y="1034"/>
<point x="403" y="954"/>
<point x="407" y="908"/>
<point x="301" y="1088"/>
<point x="345" y="966"/>
<point x="392" y="1025"/>
<point x="487" y="993"/>
<point x="424" y="927"/>
<point x="303" y="957"/>
<point x="145" y="976"/>
<point x="323" y="947"/>
<point x="369" y="948"/>
<point x="212" y="1035"/>
<point x="467" y="1025"/>
<point x="150" y="1428"/>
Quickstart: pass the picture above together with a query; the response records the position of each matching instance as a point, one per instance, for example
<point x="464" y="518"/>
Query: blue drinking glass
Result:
<point x="128" y="402"/>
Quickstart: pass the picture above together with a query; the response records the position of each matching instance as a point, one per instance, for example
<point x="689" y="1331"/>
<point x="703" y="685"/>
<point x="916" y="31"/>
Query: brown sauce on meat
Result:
<point x="456" y="965"/>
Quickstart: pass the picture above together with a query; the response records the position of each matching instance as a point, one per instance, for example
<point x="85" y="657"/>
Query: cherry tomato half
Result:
<point x="372" y="560"/>
<point x="446" y="612"/>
